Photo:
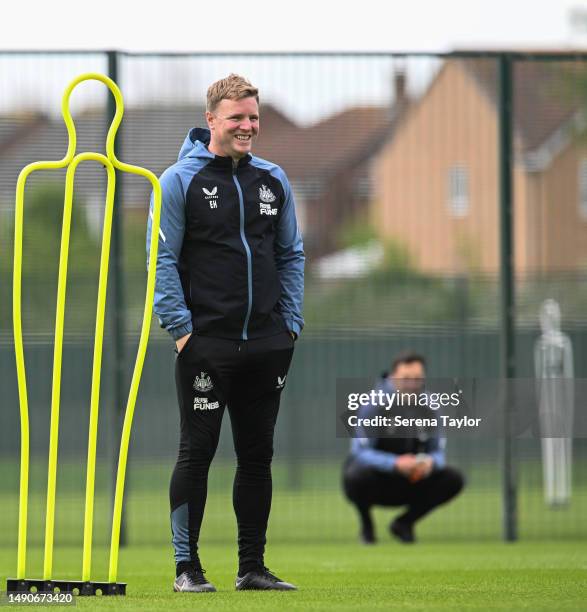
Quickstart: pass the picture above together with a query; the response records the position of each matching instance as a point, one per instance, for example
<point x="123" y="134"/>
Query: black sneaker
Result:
<point x="262" y="580"/>
<point x="404" y="532"/>
<point x="193" y="581"/>
<point x="367" y="535"/>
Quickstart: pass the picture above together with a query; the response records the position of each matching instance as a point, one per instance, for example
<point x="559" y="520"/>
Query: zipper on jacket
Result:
<point x="247" y="251"/>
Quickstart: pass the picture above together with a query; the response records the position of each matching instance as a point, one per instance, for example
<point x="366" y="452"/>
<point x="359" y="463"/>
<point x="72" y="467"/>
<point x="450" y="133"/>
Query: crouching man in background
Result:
<point x="394" y="471"/>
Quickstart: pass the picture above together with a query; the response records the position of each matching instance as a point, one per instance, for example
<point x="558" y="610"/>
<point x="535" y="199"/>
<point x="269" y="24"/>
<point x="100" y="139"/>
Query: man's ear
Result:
<point x="210" y="120"/>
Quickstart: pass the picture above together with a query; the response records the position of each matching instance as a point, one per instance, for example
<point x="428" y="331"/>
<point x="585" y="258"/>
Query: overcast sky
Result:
<point x="307" y="90"/>
<point x="294" y="25"/>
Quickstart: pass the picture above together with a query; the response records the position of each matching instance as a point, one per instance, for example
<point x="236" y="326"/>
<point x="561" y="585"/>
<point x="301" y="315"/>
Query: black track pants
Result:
<point x="366" y="487"/>
<point x="248" y="378"/>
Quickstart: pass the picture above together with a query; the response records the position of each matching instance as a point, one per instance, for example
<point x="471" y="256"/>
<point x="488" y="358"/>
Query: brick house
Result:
<point x="436" y="181"/>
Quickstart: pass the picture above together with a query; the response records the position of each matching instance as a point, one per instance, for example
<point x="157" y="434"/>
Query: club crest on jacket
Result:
<point x="266" y="195"/>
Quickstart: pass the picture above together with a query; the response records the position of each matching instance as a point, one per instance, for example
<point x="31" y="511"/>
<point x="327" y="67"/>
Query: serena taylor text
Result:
<point x="399" y="421"/>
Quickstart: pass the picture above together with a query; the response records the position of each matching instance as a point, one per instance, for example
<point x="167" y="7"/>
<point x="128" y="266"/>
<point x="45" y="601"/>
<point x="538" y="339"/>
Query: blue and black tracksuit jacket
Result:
<point x="231" y="258"/>
<point x="381" y="453"/>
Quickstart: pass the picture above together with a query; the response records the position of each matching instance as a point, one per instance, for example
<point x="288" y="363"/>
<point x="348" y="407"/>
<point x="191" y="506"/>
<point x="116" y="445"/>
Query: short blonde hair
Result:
<point x="233" y="87"/>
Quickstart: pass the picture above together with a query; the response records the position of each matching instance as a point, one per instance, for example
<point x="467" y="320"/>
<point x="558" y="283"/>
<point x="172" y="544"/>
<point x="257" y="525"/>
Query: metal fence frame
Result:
<point x="505" y="61"/>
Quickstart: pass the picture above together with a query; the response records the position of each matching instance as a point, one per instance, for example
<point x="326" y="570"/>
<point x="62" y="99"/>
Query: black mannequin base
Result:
<point x="77" y="587"/>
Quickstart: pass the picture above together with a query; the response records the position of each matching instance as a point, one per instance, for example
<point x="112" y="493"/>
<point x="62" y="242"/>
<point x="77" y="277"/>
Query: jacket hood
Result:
<point x="195" y="144"/>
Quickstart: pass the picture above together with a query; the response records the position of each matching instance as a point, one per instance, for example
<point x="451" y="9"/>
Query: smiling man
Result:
<point x="230" y="282"/>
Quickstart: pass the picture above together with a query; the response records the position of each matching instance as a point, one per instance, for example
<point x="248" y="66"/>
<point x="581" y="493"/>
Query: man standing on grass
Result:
<point x="230" y="282"/>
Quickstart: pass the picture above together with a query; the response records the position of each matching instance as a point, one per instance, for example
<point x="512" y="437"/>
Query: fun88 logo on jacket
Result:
<point x="265" y="209"/>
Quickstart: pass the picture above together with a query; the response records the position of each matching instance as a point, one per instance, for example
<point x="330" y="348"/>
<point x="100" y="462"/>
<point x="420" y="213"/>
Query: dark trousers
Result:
<point x="366" y="487"/>
<point x="248" y="377"/>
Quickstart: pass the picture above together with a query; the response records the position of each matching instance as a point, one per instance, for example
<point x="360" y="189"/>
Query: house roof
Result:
<point x="320" y="150"/>
<point x="542" y="91"/>
<point x="14" y="127"/>
<point x="150" y="137"/>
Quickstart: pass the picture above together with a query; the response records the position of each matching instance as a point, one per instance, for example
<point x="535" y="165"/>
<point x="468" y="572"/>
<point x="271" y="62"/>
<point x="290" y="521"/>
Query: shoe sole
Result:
<point x="267" y="589"/>
<point x="254" y="588"/>
<point x="207" y="590"/>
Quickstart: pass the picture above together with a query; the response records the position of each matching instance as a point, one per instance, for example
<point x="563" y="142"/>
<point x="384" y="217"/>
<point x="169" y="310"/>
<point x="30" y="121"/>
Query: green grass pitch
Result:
<point x="437" y="576"/>
<point x="459" y="562"/>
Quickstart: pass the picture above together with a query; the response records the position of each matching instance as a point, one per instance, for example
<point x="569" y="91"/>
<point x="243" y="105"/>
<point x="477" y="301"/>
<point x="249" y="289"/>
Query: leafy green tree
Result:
<point x="43" y="218"/>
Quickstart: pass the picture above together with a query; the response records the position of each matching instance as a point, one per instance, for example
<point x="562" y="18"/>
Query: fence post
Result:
<point x="507" y="332"/>
<point x="117" y="302"/>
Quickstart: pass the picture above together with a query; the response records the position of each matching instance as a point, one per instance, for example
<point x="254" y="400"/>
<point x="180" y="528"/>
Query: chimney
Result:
<point x="399" y="86"/>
